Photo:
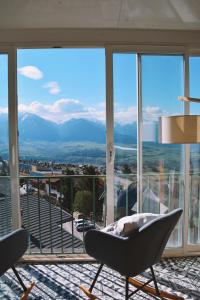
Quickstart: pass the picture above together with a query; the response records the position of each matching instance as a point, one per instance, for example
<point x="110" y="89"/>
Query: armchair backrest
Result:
<point x="146" y="247"/>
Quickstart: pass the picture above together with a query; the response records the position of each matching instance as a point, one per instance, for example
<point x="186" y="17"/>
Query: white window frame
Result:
<point x="13" y="132"/>
<point x="109" y="50"/>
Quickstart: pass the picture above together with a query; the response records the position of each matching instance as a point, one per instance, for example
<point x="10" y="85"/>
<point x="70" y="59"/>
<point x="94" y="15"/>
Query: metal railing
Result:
<point x="161" y="193"/>
<point x="50" y="205"/>
<point x="5" y="206"/>
<point x="194" y="210"/>
<point x="166" y="192"/>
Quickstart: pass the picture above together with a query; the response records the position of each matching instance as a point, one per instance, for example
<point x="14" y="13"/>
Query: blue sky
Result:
<point x="59" y="84"/>
<point x="67" y="83"/>
<point x="80" y="74"/>
<point x="195" y="83"/>
<point x="162" y="82"/>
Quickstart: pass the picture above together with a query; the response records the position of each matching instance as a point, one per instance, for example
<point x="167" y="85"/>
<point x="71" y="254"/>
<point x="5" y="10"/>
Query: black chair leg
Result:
<point x="88" y="292"/>
<point x="19" y="279"/>
<point x="127" y="288"/>
<point x="155" y="282"/>
<point x="27" y="290"/>
<point x="95" y="279"/>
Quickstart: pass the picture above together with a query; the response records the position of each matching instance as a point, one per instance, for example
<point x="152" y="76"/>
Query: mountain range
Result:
<point x="34" y="128"/>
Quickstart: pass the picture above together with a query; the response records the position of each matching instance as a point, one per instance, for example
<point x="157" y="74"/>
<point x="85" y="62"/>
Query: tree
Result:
<point x="95" y="185"/>
<point x="126" y="169"/>
<point x="68" y="171"/>
<point x="67" y="190"/>
<point x="90" y="170"/>
<point x="4" y="170"/>
<point x="83" y="202"/>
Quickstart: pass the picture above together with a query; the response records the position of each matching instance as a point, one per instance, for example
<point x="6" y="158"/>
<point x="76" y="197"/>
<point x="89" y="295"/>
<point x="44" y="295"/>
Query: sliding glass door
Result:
<point x="125" y="133"/>
<point x="162" y="168"/>
<point x="147" y="176"/>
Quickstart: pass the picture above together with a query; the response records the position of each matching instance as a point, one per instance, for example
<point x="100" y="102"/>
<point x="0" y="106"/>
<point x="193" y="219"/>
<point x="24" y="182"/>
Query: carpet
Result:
<point x="61" y="281"/>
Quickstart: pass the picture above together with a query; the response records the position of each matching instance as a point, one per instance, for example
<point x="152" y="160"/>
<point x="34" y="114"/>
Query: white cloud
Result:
<point x="129" y="115"/>
<point x="152" y="110"/>
<point x="31" y="72"/>
<point x="3" y="109"/>
<point x="64" y="109"/>
<point x="53" y="87"/>
<point x="65" y="105"/>
<point x="59" y="111"/>
<point x="126" y="116"/>
<point x="152" y="113"/>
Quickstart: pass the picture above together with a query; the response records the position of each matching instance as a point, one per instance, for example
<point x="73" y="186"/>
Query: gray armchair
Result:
<point x="132" y="255"/>
<point x="12" y="248"/>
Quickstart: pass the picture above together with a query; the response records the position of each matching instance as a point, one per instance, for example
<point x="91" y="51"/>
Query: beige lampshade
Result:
<point x="183" y="129"/>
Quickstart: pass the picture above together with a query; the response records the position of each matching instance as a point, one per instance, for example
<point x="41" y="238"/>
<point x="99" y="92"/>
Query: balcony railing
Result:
<point x="50" y="205"/>
<point x="161" y="193"/>
<point x="194" y="210"/>
<point x="5" y="205"/>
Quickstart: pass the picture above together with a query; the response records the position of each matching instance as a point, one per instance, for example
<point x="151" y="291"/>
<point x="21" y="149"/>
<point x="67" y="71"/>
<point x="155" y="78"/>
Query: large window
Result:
<point x="63" y="141"/>
<point x="61" y="104"/>
<point x="62" y="144"/>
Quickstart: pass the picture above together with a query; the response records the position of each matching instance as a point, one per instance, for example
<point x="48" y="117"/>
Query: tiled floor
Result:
<point x="61" y="281"/>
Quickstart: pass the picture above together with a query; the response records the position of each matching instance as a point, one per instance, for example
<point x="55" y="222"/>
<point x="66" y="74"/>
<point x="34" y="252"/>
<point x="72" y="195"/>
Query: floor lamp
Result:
<point x="180" y="129"/>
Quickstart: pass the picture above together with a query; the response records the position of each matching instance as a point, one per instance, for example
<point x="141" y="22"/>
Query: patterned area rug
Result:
<point x="55" y="282"/>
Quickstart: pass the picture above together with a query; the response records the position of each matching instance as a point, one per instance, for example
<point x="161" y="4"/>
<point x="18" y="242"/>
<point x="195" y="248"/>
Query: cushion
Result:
<point x="126" y="226"/>
<point x="111" y="228"/>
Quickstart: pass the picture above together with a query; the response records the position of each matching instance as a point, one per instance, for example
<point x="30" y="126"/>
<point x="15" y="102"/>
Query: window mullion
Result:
<point x="13" y="137"/>
<point x="109" y="138"/>
<point x="139" y="134"/>
<point x="186" y="159"/>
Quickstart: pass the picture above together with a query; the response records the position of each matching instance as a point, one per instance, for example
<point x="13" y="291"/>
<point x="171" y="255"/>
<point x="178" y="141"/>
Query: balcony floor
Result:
<point x="61" y="281"/>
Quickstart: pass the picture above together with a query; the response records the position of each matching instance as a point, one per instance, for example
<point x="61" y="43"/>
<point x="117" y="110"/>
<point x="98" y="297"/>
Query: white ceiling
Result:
<point x="136" y="14"/>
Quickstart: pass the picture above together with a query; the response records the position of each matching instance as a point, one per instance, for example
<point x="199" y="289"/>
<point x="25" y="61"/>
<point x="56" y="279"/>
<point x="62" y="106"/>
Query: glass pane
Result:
<point x="162" y="83"/>
<point x="62" y="144"/>
<point x="125" y="133"/>
<point x="5" y="200"/>
<point x="194" y="215"/>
